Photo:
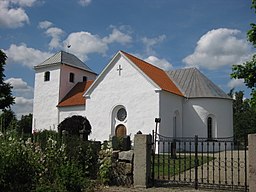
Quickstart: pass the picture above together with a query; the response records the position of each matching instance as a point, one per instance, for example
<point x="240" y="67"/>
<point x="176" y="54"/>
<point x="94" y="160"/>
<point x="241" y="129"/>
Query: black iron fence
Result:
<point x="219" y="163"/>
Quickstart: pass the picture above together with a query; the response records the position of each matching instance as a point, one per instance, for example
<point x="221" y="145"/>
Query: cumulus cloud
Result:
<point x="84" y="3"/>
<point x="117" y="36"/>
<point x="21" y="54"/>
<point x="161" y="63"/>
<point x="23" y="96"/>
<point x="83" y="43"/>
<point x="233" y="83"/>
<point x="55" y="33"/>
<point x="12" y="14"/>
<point x="23" y="106"/>
<point x="19" y="85"/>
<point x="149" y="43"/>
<point x="45" y="24"/>
<point x="218" y="48"/>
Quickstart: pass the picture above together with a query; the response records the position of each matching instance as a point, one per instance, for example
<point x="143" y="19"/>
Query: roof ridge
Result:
<point x="143" y="61"/>
<point x="155" y="74"/>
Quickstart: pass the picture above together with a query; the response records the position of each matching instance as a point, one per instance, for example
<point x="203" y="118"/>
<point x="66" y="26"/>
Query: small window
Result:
<point x="209" y="128"/>
<point x="47" y="76"/>
<point x="71" y="77"/>
<point x="84" y="78"/>
<point x="121" y="114"/>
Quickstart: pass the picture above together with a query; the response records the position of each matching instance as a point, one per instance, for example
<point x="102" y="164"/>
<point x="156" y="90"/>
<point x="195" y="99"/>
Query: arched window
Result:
<point x="209" y="128"/>
<point x="71" y="77"/>
<point x="47" y="76"/>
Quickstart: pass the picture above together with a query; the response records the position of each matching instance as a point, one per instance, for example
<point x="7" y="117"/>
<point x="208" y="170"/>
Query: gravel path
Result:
<point x="153" y="189"/>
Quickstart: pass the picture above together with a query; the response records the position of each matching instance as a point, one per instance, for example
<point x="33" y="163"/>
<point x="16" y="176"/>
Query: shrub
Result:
<point x="25" y="166"/>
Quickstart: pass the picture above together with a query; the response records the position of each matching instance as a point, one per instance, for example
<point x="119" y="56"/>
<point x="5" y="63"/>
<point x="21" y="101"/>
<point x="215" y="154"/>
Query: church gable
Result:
<point x="155" y="76"/>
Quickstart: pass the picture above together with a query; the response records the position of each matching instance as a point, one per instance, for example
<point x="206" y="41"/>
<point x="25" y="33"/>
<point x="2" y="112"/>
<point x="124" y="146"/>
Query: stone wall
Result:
<point x="122" y="168"/>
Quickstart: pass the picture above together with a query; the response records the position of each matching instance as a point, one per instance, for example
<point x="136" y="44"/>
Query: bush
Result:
<point x="25" y="166"/>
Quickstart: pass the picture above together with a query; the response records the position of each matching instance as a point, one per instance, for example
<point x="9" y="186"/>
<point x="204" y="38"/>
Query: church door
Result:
<point x="120" y="131"/>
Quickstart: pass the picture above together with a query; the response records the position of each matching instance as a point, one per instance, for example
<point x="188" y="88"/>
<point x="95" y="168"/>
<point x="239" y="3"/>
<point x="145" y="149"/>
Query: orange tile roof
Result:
<point x="75" y="95"/>
<point x="157" y="75"/>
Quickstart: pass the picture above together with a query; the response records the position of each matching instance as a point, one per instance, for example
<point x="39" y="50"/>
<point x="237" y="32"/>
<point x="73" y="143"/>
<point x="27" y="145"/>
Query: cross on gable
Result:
<point x="119" y="69"/>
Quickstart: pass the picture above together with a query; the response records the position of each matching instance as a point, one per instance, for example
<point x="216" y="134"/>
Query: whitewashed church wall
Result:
<point x="129" y="89"/>
<point x="65" y="112"/>
<point x="169" y="105"/>
<point x="65" y="85"/>
<point x="46" y="94"/>
<point x="196" y="111"/>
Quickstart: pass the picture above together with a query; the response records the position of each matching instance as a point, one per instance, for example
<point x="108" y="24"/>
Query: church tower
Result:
<point x="54" y="79"/>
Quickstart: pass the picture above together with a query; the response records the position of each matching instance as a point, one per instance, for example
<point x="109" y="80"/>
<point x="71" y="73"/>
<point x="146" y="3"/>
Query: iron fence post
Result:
<point x="196" y="162"/>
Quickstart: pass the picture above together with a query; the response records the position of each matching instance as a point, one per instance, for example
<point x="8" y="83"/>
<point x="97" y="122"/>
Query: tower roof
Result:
<point x="63" y="57"/>
<point x="193" y="83"/>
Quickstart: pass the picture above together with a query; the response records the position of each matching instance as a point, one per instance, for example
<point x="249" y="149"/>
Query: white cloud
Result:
<point x="117" y="36"/>
<point x="22" y="106"/>
<point x="150" y="42"/>
<point x="233" y="83"/>
<point x="12" y="14"/>
<point x="19" y="85"/>
<point x="161" y="63"/>
<point x="45" y="24"/>
<point x="218" y="48"/>
<point x="23" y="96"/>
<point x="84" y="3"/>
<point x="82" y="43"/>
<point x="55" y="33"/>
<point x="21" y="54"/>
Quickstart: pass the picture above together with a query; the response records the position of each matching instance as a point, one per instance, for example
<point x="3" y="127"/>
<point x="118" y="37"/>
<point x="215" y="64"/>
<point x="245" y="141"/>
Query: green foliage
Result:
<point x="121" y="143"/>
<point x="25" y="124"/>
<point x="247" y="70"/>
<point x="6" y="98"/>
<point x="105" y="165"/>
<point x="25" y="166"/>
<point x="244" y="117"/>
<point x="75" y="125"/>
<point x="8" y="120"/>
<point x="85" y="153"/>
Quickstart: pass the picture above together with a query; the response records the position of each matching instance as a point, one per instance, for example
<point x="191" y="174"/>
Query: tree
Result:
<point x="6" y="98"/>
<point x="76" y="125"/>
<point x="247" y="70"/>
<point x="25" y="124"/>
<point x="244" y="116"/>
<point x="7" y="120"/>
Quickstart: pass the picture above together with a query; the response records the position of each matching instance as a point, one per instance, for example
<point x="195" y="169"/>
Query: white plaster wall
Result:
<point x="169" y="104"/>
<point x="131" y="90"/>
<point x="65" y="85"/>
<point x="65" y="112"/>
<point x="46" y="94"/>
<point x="196" y="111"/>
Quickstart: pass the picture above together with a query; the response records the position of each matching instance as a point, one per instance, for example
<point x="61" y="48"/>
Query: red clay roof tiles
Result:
<point x="75" y="95"/>
<point x="157" y="75"/>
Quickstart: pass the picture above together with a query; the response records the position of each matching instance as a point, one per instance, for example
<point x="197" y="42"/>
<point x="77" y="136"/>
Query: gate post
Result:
<point x="252" y="161"/>
<point x="196" y="162"/>
<point x="142" y="160"/>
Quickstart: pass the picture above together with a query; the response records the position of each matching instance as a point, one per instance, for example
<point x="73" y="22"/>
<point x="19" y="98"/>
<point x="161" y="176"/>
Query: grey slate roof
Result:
<point x="63" y="57"/>
<point x="193" y="83"/>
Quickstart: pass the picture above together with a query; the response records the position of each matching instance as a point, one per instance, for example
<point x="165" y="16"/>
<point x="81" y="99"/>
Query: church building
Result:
<point x="127" y="96"/>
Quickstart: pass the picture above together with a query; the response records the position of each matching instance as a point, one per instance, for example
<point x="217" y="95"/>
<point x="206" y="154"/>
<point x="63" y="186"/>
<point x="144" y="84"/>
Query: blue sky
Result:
<point x="207" y="34"/>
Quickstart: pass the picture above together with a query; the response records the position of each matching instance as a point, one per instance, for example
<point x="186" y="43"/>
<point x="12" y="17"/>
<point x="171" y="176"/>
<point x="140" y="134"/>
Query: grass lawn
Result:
<point x="166" y="166"/>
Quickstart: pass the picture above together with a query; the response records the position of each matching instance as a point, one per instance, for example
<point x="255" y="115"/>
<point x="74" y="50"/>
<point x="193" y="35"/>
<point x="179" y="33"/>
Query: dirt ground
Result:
<point x="153" y="189"/>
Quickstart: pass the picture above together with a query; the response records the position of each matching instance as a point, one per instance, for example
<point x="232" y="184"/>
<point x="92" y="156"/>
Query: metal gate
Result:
<point x="219" y="163"/>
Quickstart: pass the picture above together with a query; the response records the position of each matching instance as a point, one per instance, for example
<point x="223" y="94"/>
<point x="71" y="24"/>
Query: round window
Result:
<point x="121" y="114"/>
